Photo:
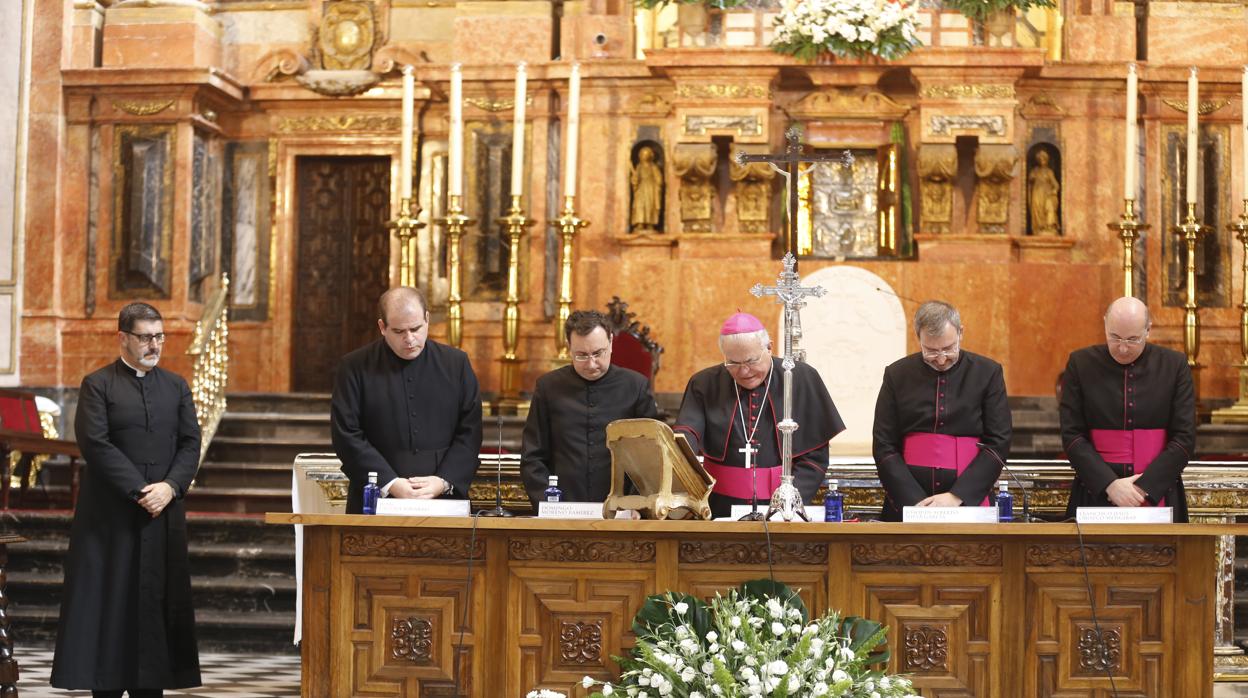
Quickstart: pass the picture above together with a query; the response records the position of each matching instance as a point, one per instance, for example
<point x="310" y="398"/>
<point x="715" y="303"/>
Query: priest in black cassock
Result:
<point x="565" y="433"/>
<point x="127" y="622"/>
<point x="942" y="422"/>
<point x="741" y="401"/>
<point x="406" y="408"/>
<point x="1128" y="416"/>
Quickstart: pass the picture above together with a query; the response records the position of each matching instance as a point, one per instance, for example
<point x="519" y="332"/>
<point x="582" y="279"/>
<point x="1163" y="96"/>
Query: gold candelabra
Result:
<point x="516" y="223"/>
<point x="1238" y="413"/>
<point x="405" y="227"/>
<point x="455" y="222"/>
<point x="1129" y="229"/>
<point x="1191" y="231"/>
<point x="569" y="225"/>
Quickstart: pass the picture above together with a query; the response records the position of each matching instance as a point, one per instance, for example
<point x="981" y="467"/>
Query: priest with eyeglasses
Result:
<point x="1128" y="416"/>
<point x="942" y="421"/>
<point x="565" y="433"/>
<point x="730" y="412"/>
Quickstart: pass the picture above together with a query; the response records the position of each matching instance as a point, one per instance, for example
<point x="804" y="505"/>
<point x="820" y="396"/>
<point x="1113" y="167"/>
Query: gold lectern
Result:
<point x="670" y="481"/>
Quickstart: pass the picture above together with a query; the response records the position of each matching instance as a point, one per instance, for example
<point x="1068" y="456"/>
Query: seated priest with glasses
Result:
<point x="942" y="422"/>
<point x="730" y="411"/>
<point x="1128" y="415"/>
<point x="565" y="433"/>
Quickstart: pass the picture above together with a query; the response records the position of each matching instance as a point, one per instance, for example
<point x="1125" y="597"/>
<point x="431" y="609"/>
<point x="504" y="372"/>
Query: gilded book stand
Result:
<point x="667" y="475"/>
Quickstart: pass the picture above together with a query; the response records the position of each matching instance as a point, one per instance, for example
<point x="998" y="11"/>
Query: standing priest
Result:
<point x="127" y="621"/>
<point x="406" y="408"/>
<point x="740" y="402"/>
<point x="942" y="422"/>
<point x="565" y="433"/>
<point x="1128" y="417"/>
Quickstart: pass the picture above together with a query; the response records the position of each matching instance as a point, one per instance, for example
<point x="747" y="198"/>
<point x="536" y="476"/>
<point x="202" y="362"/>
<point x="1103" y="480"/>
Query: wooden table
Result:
<point x="973" y="610"/>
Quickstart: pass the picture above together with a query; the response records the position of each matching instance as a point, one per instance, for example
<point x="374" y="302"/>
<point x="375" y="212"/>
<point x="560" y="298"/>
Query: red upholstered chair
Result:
<point x="21" y="431"/>
<point x="632" y="348"/>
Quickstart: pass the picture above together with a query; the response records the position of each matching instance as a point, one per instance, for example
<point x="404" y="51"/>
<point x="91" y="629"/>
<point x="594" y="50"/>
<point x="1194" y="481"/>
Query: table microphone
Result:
<point x="498" y="509"/>
<point x="1005" y="468"/>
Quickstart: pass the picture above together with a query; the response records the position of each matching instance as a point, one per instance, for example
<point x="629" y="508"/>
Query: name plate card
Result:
<point x="391" y="506"/>
<point x="569" y="510"/>
<point x="949" y="514"/>
<point x="1125" y="515"/>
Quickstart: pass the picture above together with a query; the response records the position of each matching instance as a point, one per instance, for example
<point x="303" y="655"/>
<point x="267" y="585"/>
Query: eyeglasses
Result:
<point x="939" y="353"/>
<point x="158" y="338"/>
<point x="1132" y="341"/>
<point x="751" y="362"/>
<point x="591" y="357"/>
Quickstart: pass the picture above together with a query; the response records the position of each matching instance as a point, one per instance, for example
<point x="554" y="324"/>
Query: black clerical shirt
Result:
<point x="565" y="433"/>
<point x="1153" y="392"/>
<point x="969" y="400"/>
<point x="403" y="418"/>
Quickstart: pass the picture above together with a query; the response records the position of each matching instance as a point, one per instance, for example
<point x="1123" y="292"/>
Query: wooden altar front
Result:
<point x="973" y="610"/>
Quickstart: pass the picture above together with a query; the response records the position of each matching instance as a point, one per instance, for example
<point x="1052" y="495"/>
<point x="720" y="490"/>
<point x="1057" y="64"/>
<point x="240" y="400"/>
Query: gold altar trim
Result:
<point x="139" y="107"/>
<point x="1206" y="107"/>
<point x="968" y="91"/>
<point x="846" y="104"/>
<point x="722" y="91"/>
<point x="369" y="122"/>
<point x="495" y="105"/>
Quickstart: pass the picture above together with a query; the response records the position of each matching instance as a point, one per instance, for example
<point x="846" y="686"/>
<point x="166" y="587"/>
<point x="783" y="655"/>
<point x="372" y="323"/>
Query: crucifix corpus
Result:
<point x="790" y="293"/>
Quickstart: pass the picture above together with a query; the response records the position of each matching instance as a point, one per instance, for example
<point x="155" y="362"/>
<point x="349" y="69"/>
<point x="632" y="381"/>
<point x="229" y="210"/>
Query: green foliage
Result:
<point x="978" y="10"/>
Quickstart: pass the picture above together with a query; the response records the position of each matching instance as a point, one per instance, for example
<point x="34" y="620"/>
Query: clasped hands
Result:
<point x="155" y="497"/>
<point x="1123" y="492"/>
<point x="426" y="487"/>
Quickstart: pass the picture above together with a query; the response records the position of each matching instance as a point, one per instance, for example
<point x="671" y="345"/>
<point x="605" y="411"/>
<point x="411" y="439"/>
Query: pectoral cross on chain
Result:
<point x="749" y="452"/>
<point x="789" y="164"/>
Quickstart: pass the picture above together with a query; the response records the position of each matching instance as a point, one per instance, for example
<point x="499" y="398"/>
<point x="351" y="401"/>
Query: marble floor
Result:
<point x="224" y="676"/>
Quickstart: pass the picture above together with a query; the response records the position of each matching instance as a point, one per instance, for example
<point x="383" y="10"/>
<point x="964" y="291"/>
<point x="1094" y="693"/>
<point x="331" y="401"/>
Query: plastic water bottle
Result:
<point x="833" y="503"/>
<point x="553" y="493"/>
<point x="1005" y="503"/>
<point x="371" y="492"/>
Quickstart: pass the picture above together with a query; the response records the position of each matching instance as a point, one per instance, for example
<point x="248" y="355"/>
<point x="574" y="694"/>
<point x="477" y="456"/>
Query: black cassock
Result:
<point x="1152" y="393"/>
<point x="712" y="413"/>
<point x="565" y="433"/>
<point x="401" y="418"/>
<point x="127" y="620"/>
<point x="968" y="400"/>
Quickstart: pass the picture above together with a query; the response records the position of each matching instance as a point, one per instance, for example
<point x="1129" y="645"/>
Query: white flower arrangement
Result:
<point x="846" y="28"/>
<point x="544" y="693"/>
<point x="757" y="641"/>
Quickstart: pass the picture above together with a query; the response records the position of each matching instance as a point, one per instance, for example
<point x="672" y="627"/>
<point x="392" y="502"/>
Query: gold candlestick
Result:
<point x="569" y="225"/>
<point x="455" y="222"/>
<point x="516" y="224"/>
<point x="1238" y="413"/>
<point x="1191" y="230"/>
<point x="405" y="227"/>
<point x="1129" y="229"/>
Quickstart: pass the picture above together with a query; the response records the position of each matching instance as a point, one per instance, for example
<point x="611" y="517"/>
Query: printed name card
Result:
<point x="949" y="514"/>
<point x="1125" y="515"/>
<point x="390" y="506"/>
<point x="569" y="510"/>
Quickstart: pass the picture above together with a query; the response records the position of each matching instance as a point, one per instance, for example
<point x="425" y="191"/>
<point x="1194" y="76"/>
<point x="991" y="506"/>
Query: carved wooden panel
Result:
<point x="342" y="254"/>
<point x="566" y="621"/>
<point x="386" y="545"/>
<point x="581" y="550"/>
<point x="753" y="553"/>
<point x="1133" y="644"/>
<point x="927" y="554"/>
<point x="944" y="628"/>
<point x="405" y="623"/>
<point x="1100" y="555"/>
<point x="705" y="581"/>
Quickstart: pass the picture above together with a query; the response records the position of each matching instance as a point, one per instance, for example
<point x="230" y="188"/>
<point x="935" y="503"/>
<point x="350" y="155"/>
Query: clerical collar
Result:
<point x="138" y="372"/>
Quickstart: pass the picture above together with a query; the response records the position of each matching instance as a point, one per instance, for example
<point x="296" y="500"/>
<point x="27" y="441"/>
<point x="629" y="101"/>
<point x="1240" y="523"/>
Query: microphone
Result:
<point x="498" y="509"/>
<point x="1007" y="470"/>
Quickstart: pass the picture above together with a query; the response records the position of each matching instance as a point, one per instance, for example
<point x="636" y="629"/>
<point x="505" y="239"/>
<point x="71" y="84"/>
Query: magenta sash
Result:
<point x="1135" y="446"/>
<point x="941" y="451"/>
<point x="735" y="481"/>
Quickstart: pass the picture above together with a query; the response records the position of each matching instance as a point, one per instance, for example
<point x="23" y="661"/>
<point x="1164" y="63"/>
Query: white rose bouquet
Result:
<point x="846" y="28"/>
<point x="757" y="641"/>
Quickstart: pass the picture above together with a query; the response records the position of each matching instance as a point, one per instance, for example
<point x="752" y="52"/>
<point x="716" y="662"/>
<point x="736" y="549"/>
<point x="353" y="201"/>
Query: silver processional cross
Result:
<point x="789" y="292"/>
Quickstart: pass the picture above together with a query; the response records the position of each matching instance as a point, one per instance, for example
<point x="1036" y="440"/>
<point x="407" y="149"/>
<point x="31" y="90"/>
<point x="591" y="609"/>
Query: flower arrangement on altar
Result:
<point x="756" y="641"/>
<point x="807" y="29"/>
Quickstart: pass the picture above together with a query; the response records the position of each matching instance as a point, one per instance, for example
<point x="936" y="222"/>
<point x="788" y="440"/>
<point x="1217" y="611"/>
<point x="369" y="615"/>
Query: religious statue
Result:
<point x="753" y="194"/>
<point x="937" y="166"/>
<point x="994" y="166"/>
<point x="695" y="165"/>
<point x="645" y="181"/>
<point x="1042" y="196"/>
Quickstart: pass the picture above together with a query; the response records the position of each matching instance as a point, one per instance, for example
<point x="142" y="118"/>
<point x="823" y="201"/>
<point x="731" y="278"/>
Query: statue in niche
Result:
<point x="1043" y="195"/>
<point x="645" y="180"/>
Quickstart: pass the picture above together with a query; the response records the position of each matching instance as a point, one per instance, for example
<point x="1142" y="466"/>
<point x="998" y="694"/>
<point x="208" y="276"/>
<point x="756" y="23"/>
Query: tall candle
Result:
<point x="1193" y="106"/>
<point x="1243" y="142"/>
<point x="517" y="136"/>
<point x="574" y="127"/>
<point x="1132" y="131"/>
<point x="456" y="164"/>
<point x="405" y="156"/>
